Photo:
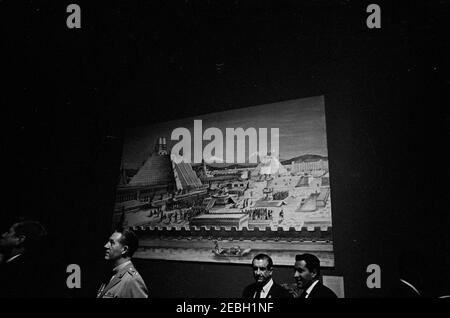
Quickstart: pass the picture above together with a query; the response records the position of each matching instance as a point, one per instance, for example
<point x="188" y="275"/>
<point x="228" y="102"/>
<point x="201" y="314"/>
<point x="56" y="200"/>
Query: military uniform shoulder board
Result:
<point x="132" y="271"/>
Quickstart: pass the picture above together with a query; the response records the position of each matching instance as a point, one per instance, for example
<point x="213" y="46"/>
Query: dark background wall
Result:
<point x="69" y="96"/>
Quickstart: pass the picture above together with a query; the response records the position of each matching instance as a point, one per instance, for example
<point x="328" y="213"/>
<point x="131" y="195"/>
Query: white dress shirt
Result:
<point x="265" y="290"/>
<point x="310" y="288"/>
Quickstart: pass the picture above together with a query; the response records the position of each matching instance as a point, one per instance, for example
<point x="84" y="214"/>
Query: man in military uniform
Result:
<point x="126" y="281"/>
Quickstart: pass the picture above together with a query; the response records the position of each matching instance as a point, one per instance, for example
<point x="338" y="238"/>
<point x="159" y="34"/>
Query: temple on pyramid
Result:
<point x="157" y="183"/>
<point x="270" y="165"/>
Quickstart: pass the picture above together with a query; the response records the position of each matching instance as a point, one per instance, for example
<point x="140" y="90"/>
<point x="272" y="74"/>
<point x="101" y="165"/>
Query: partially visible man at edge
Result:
<point x="23" y="261"/>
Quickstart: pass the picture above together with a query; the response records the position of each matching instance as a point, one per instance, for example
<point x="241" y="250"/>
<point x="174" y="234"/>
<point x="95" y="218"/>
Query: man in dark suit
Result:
<point x="126" y="281"/>
<point x="264" y="287"/>
<point x="307" y="276"/>
<point x="21" y="269"/>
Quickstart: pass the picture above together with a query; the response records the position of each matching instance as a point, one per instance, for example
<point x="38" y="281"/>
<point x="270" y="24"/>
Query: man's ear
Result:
<point x="314" y="273"/>
<point x="21" y="239"/>
<point x="124" y="249"/>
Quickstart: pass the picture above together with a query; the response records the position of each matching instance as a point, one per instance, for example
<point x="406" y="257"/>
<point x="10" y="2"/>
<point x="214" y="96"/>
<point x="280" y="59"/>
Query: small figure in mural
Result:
<point x="281" y="215"/>
<point x="126" y="281"/>
<point x="216" y="247"/>
<point x="264" y="286"/>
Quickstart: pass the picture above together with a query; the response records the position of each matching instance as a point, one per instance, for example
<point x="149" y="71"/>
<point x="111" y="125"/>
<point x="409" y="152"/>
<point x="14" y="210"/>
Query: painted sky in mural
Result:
<point x="301" y="126"/>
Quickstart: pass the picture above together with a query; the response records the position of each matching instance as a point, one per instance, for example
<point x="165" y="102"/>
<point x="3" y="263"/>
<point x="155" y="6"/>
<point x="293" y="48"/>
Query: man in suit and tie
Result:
<point x="22" y="267"/>
<point x="307" y="276"/>
<point x="264" y="286"/>
<point x="126" y="281"/>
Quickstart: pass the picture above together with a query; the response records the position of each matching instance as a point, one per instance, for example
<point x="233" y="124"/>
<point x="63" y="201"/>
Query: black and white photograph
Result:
<point x="211" y="153"/>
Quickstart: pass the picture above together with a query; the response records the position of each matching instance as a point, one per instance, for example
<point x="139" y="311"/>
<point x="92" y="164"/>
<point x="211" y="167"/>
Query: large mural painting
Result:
<point x="225" y="186"/>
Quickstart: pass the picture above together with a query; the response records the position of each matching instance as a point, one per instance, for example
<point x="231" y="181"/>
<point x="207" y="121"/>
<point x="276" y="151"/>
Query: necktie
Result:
<point x="258" y="292"/>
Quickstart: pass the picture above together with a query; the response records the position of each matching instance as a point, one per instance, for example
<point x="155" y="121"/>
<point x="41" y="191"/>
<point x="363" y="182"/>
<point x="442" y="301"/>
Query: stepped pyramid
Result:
<point x="309" y="205"/>
<point x="157" y="170"/>
<point x="185" y="177"/>
<point x="303" y="182"/>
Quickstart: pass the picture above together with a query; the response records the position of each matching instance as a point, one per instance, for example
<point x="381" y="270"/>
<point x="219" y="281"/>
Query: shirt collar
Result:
<point x="267" y="286"/>
<point x="121" y="266"/>
<point x="310" y="288"/>
<point x="12" y="258"/>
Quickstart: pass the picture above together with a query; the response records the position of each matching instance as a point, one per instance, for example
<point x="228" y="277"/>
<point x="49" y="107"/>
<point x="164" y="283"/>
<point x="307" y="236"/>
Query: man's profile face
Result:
<point x="9" y="239"/>
<point x="261" y="271"/>
<point x="113" y="248"/>
<point x="303" y="276"/>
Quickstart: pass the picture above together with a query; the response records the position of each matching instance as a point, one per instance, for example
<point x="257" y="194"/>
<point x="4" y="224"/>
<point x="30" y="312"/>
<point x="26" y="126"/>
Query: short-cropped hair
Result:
<point x="266" y="257"/>
<point x="33" y="231"/>
<point x="130" y="239"/>
<point x="312" y="262"/>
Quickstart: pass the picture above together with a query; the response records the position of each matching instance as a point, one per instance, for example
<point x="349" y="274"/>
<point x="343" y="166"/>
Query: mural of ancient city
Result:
<point x="189" y="199"/>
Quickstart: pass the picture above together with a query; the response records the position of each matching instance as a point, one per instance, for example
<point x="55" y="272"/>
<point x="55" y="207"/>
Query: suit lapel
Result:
<point x="269" y="294"/>
<point x="312" y="293"/>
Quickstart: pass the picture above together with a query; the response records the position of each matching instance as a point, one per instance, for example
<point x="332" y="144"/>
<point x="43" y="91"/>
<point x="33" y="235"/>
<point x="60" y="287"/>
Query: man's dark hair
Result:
<point x="33" y="231"/>
<point x="312" y="262"/>
<point x="130" y="239"/>
<point x="262" y="257"/>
